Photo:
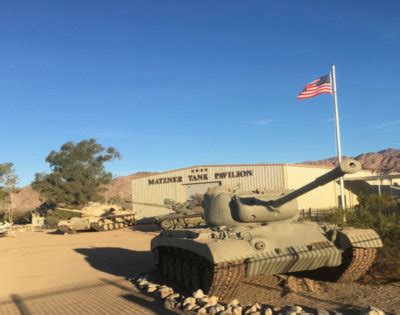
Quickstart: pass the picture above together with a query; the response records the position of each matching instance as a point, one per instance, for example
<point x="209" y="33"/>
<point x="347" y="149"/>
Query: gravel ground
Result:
<point x="86" y="273"/>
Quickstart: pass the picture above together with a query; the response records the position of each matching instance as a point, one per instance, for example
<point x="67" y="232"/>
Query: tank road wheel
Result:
<point x="111" y="226"/>
<point x="171" y="268"/>
<point x="166" y="224"/>
<point x="178" y="270"/>
<point x="207" y="278"/>
<point x="105" y="227"/>
<point x="186" y="274"/>
<point x="194" y="277"/>
<point x="164" y="265"/>
<point x="180" y="224"/>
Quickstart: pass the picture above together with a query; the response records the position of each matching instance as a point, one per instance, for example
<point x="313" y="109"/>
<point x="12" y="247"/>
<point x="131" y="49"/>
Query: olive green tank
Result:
<point x="251" y="235"/>
<point x="98" y="217"/>
<point x="186" y="215"/>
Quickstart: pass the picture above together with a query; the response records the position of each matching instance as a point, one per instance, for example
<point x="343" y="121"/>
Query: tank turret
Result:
<point x="227" y="207"/>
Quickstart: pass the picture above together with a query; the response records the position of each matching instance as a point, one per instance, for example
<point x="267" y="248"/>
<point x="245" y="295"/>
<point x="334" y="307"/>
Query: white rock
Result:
<point x="213" y="300"/>
<point x="237" y="310"/>
<point x="374" y="311"/>
<point x="219" y="308"/>
<point x="297" y="309"/>
<point x="267" y="311"/>
<point x="189" y="301"/>
<point x="169" y="304"/>
<point x="294" y="310"/>
<point x="253" y="309"/>
<point x="198" y="294"/>
<point x="166" y="291"/>
<point x="188" y="307"/>
<point x="227" y="311"/>
<point x="202" y="310"/>
<point x="151" y="288"/>
<point x="233" y="302"/>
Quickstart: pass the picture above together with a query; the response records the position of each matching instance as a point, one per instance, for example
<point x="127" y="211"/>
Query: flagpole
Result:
<point x="338" y="144"/>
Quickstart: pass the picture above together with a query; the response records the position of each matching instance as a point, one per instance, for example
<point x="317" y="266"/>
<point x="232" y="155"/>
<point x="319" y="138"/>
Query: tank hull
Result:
<point x="218" y="260"/>
<point x="106" y="223"/>
<point x="176" y="221"/>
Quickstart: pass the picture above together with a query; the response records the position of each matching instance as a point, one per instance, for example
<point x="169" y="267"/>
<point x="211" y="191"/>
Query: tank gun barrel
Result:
<point x="348" y="166"/>
<point x="68" y="210"/>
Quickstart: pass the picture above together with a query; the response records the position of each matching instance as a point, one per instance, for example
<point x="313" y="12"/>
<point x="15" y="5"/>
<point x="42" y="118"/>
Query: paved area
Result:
<point x="85" y="273"/>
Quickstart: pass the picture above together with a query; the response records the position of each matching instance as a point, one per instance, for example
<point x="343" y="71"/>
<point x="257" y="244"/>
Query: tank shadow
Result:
<point x="146" y="227"/>
<point x="117" y="261"/>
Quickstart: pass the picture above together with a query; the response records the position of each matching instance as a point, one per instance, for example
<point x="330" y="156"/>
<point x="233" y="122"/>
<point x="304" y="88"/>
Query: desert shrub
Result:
<point x="120" y="201"/>
<point x="53" y="217"/>
<point x="381" y="213"/>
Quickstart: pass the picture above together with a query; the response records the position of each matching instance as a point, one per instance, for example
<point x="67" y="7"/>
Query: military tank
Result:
<point x="251" y="235"/>
<point x="186" y="215"/>
<point x="98" y="217"/>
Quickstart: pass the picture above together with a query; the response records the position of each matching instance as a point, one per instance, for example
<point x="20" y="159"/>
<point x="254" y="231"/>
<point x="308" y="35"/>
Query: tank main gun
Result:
<point x="69" y="210"/>
<point x="226" y="208"/>
<point x="348" y="166"/>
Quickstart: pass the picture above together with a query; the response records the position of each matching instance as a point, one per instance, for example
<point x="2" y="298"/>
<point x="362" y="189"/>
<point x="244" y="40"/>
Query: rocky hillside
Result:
<point x="383" y="161"/>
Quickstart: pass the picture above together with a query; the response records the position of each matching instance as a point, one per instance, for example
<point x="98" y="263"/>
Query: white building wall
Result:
<point x="321" y="198"/>
<point x="149" y="193"/>
<point x="172" y="185"/>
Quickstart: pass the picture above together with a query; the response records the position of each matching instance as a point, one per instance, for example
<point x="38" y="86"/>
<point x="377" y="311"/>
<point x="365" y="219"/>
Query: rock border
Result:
<point x="200" y="303"/>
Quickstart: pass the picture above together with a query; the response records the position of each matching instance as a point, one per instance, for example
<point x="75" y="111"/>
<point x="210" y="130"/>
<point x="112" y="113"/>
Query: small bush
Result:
<point x="381" y="213"/>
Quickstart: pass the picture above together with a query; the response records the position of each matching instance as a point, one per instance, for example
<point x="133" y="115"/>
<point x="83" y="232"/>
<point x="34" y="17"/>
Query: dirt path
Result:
<point x="83" y="273"/>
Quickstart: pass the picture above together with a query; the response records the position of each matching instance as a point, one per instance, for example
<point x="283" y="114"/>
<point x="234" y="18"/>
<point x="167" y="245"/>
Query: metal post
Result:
<point x="339" y="147"/>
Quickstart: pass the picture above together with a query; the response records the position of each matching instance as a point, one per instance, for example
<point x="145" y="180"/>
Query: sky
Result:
<point x="172" y="84"/>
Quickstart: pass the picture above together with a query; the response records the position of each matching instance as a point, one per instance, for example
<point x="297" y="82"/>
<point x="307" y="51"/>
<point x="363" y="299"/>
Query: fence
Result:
<point x="316" y="214"/>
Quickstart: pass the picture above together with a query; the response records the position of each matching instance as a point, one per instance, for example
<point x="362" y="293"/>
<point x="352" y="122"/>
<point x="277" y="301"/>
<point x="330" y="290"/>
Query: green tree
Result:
<point x="78" y="175"/>
<point x="8" y="182"/>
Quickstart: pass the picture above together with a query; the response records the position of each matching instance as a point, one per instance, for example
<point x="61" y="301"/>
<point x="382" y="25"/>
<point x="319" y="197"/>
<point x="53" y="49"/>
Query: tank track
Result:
<point x="357" y="262"/>
<point x="223" y="279"/>
<point x="101" y="225"/>
<point x="194" y="272"/>
<point x="66" y="229"/>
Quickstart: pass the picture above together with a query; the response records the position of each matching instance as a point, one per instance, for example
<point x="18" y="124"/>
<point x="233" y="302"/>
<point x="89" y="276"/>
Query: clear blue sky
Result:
<point x="178" y="83"/>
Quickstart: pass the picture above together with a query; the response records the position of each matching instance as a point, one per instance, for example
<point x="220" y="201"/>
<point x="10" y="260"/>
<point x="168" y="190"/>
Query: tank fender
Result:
<point x="362" y="238"/>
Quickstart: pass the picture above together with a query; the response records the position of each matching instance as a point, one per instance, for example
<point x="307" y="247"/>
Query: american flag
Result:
<point x="320" y="86"/>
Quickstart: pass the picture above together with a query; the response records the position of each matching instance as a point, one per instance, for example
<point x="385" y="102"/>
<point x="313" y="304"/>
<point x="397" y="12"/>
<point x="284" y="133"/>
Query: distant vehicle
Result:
<point x="98" y="217"/>
<point x="186" y="215"/>
<point x="4" y="228"/>
<point x="252" y="234"/>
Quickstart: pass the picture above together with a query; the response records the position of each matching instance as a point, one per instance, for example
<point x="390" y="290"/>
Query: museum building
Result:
<point x="149" y="193"/>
